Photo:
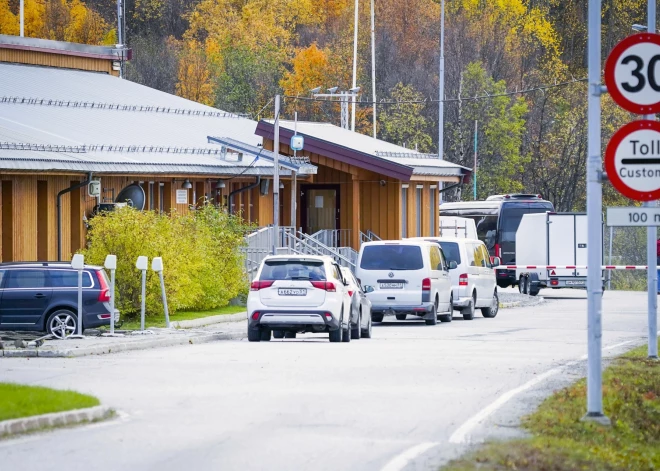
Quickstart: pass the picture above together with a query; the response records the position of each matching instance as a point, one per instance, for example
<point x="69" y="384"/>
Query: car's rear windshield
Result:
<point x="392" y="257"/>
<point x="451" y="251"/>
<point x="275" y="270"/>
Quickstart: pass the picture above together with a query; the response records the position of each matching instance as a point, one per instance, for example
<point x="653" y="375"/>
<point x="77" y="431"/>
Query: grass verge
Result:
<point x="561" y="441"/>
<point x="134" y="323"/>
<point x="25" y="401"/>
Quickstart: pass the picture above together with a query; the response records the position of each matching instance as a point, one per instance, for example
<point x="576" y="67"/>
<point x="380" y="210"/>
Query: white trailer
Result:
<point x="555" y="239"/>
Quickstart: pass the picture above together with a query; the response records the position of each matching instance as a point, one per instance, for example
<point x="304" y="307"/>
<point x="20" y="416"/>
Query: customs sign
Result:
<point x="632" y="160"/>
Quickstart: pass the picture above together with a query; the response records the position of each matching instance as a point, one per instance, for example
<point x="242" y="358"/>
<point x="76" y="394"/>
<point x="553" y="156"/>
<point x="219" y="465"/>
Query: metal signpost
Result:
<point x="78" y="263"/>
<point x="276" y="176"/>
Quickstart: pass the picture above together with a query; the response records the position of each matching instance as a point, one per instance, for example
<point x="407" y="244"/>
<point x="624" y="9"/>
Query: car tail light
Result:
<point x="257" y="285"/>
<point x="103" y="316"/>
<point x="350" y="293"/>
<point x="104" y="295"/>
<point x="328" y="316"/>
<point x="463" y="279"/>
<point x="498" y="252"/>
<point x="426" y="284"/>
<point x="554" y="282"/>
<point x="255" y="316"/>
<point x="328" y="286"/>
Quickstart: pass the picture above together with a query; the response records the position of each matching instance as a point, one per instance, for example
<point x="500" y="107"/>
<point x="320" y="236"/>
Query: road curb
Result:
<point x="513" y="304"/>
<point x="56" y="419"/>
<point x="125" y="346"/>
<point x="204" y="321"/>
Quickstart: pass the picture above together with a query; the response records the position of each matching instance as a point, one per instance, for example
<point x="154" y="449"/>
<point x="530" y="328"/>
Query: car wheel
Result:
<point x="494" y="307"/>
<point x="356" y="332"/>
<point x="62" y="324"/>
<point x="434" y="317"/>
<point x="346" y="335"/>
<point x="254" y="335"/>
<point x="468" y="312"/>
<point x="289" y="335"/>
<point x="401" y="317"/>
<point x="265" y="335"/>
<point x="278" y="334"/>
<point x="448" y="317"/>
<point x="336" y="335"/>
<point x="366" y="333"/>
<point x="377" y="317"/>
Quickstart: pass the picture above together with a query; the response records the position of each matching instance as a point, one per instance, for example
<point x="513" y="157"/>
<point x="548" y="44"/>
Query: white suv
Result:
<point x="408" y="277"/>
<point x="472" y="275"/>
<point x="299" y="293"/>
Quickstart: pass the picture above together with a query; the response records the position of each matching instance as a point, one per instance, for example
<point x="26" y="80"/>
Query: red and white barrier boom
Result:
<point x="569" y="267"/>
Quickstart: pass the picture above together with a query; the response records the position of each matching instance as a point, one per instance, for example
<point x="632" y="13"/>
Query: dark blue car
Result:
<point x="43" y="296"/>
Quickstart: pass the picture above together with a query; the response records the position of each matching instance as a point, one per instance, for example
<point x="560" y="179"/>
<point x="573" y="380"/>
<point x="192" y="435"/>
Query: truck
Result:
<point x="548" y="240"/>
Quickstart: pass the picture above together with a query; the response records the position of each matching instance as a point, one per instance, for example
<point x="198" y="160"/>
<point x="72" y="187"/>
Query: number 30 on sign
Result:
<point x="632" y="73"/>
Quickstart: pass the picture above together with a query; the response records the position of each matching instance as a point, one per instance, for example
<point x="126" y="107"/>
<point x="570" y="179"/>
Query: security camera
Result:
<point x="382" y="183"/>
<point x="333" y="89"/>
<point x="315" y="90"/>
<point x="354" y="90"/>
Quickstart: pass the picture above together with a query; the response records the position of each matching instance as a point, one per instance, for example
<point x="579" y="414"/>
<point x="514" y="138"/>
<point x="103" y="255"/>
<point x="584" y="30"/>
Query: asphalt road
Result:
<point x="392" y="402"/>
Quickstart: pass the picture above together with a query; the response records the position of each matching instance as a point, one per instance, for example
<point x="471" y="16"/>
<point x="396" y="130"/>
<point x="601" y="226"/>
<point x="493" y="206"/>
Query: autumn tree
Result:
<point x="403" y="124"/>
<point x="194" y="77"/>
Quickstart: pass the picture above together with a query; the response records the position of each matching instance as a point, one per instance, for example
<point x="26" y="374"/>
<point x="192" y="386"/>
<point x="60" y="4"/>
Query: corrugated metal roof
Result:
<point x="76" y="126"/>
<point x="421" y="163"/>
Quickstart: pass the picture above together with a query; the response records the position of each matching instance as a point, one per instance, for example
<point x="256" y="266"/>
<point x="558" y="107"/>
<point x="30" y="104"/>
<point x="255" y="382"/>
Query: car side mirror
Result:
<point x="453" y="265"/>
<point x="368" y="289"/>
<point x="495" y="261"/>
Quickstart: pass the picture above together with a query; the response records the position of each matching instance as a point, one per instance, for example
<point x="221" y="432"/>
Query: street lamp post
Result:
<point x="441" y="103"/>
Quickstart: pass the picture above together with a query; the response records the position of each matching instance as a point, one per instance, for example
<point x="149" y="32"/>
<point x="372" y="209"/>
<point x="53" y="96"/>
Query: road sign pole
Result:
<point x="594" y="210"/>
<point x="651" y="237"/>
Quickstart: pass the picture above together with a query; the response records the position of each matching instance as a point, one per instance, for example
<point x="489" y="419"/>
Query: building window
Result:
<point x="419" y="210"/>
<point x="434" y="211"/>
<point x="404" y="211"/>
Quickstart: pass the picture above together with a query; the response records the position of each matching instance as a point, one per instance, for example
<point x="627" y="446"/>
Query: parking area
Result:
<point x="288" y="403"/>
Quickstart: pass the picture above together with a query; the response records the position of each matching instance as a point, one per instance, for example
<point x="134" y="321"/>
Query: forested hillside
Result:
<point x="237" y="54"/>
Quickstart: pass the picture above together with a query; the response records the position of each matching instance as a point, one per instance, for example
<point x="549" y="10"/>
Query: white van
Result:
<point x="473" y="280"/>
<point x="408" y="278"/>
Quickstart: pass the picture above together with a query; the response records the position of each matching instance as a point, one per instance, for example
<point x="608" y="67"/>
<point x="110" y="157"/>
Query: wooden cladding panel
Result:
<point x="57" y="60"/>
<point x="42" y="220"/>
<point x="7" y="227"/>
<point x="380" y="208"/>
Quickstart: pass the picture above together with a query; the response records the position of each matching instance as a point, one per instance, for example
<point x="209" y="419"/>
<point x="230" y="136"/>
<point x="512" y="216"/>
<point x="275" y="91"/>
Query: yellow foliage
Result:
<point x="9" y="23"/>
<point x="194" y="75"/>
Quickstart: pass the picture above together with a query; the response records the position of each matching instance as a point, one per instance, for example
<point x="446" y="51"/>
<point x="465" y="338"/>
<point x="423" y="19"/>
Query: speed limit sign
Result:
<point x="632" y="73"/>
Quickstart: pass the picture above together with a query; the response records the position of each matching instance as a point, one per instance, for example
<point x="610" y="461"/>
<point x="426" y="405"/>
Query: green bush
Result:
<point x="203" y="264"/>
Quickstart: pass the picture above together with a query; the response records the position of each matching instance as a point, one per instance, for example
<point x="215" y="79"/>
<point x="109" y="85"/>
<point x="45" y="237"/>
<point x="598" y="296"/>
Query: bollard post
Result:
<point x="157" y="266"/>
<point x="142" y="264"/>
<point x="78" y="263"/>
<point x="111" y="264"/>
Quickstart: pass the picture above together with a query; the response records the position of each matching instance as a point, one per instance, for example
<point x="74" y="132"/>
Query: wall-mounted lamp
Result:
<point x="281" y="186"/>
<point x="220" y="184"/>
<point x="186" y="184"/>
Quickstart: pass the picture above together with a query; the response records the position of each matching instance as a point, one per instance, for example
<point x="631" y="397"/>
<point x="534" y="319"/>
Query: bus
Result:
<point x="497" y="220"/>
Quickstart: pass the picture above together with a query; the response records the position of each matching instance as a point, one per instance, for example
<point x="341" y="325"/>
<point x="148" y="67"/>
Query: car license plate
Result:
<point x="292" y="292"/>
<point x="574" y="283"/>
<point x="391" y="286"/>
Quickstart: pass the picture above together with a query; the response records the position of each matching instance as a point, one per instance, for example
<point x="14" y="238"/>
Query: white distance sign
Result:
<point x="632" y="160"/>
<point x="632" y="73"/>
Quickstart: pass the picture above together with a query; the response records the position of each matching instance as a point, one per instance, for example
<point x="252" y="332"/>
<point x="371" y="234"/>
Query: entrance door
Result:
<point x="319" y="207"/>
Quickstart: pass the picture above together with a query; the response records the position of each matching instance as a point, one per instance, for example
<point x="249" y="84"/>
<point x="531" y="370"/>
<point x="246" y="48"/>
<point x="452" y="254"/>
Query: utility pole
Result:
<point x="373" y="63"/>
<point x="22" y="14"/>
<point x="441" y="104"/>
<point x="594" y="223"/>
<point x="276" y="176"/>
<point x="120" y="43"/>
<point x="355" y="44"/>
<point x="476" y="143"/>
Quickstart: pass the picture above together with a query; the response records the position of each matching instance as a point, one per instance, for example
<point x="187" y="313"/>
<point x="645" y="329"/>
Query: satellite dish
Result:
<point x="133" y="195"/>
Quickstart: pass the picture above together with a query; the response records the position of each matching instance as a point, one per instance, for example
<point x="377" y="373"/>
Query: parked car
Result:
<point x="299" y="293"/>
<point x="472" y="275"/>
<point x="360" y="305"/>
<point x="409" y="278"/>
<point x="43" y="296"/>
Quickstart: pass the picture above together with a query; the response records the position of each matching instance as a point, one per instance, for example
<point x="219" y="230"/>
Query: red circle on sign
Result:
<point x="610" y="66"/>
<point x="610" y="161"/>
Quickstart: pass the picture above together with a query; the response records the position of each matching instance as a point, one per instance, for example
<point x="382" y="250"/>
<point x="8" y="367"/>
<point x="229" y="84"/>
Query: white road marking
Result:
<point x="462" y="434"/>
<point x="401" y="460"/>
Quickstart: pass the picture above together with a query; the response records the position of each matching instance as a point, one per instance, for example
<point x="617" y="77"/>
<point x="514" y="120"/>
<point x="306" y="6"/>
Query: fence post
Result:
<point x="111" y="264"/>
<point x="157" y="266"/>
<point x="142" y="264"/>
<point x="78" y="263"/>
